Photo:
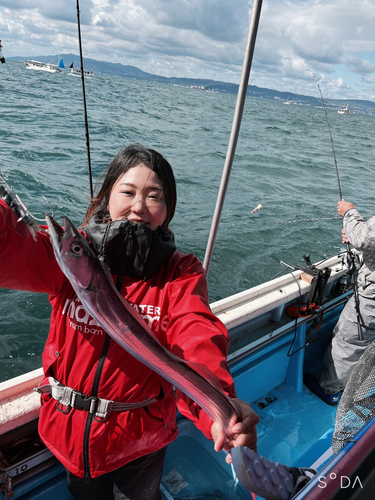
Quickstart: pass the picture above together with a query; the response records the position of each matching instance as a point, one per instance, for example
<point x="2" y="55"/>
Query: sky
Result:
<point x="335" y="39"/>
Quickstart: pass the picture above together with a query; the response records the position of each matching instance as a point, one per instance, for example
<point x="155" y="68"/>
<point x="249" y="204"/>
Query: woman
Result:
<point x="127" y="224"/>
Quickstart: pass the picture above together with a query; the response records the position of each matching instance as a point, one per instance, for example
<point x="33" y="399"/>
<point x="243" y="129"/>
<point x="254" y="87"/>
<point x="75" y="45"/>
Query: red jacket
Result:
<point x="174" y="303"/>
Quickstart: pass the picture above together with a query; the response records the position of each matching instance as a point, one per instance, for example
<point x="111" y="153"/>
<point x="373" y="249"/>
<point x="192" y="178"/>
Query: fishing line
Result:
<point x="308" y="220"/>
<point x="84" y="103"/>
<point x="330" y="134"/>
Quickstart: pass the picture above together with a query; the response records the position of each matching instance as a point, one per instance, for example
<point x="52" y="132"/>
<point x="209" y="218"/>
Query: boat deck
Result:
<point x="291" y="425"/>
<point x="295" y="426"/>
<point x="289" y="432"/>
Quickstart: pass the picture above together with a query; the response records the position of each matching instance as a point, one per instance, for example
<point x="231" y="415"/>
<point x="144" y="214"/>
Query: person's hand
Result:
<point x="343" y="206"/>
<point x="241" y="433"/>
<point x="344" y="237"/>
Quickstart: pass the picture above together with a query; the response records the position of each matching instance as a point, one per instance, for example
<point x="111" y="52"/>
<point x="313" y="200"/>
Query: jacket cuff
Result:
<point x="348" y="211"/>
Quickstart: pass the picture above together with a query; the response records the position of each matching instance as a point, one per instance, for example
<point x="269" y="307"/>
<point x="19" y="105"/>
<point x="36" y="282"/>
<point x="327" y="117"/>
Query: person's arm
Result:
<point x="194" y="333"/>
<point x="359" y="232"/>
<point x="26" y="264"/>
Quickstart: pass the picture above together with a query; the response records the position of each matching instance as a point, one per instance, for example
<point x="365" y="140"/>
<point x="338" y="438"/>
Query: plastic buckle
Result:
<point x="82" y="402"/>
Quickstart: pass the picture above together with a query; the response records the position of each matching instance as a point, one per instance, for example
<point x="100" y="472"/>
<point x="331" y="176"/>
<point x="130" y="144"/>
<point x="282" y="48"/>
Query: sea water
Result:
<point x="284" y="161"/>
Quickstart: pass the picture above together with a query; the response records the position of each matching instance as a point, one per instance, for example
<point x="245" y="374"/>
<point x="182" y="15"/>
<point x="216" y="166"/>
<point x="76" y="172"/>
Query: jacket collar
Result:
<point x="130" y="249"/>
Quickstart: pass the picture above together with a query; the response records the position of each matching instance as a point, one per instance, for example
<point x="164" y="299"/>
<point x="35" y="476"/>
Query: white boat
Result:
<point x="345" y="111"/>
<point x="77" y="71"/>
<point x="37" y="65"/>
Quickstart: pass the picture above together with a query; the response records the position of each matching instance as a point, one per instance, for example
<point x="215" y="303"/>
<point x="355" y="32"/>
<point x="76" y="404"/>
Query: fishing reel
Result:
<point x="318" y="282"/>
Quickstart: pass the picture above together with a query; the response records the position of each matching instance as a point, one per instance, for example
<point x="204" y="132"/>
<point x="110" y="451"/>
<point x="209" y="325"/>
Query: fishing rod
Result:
<point x="242" y="91"/>
<point x="349" y="252"/>
<point x="334" y="157"/>
<point x="84" y="102"/>
<point x="330" y="134"/>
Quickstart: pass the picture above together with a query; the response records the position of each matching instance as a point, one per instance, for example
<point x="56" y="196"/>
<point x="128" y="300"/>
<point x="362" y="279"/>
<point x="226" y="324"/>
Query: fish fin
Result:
<point x="237" y="408"/>
<point x="212" y="379"/>
<point x="107" y="272"/>
<point x="205" y="373"/>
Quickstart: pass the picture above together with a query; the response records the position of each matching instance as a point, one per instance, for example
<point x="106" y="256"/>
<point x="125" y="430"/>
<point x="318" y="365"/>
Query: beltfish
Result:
<point x="93" y="284"/>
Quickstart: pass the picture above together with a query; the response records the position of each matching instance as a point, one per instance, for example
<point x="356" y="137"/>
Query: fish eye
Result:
<point x="76" y="248"/>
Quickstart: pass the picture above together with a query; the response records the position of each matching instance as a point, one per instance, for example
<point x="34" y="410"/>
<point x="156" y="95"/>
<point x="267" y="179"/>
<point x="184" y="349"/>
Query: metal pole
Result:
<point x="253" y="29"/>
<point x="84" y="104"/>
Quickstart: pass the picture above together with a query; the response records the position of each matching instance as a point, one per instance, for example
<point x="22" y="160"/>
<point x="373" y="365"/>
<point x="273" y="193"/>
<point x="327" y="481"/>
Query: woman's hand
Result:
<point x="242" y="433"/>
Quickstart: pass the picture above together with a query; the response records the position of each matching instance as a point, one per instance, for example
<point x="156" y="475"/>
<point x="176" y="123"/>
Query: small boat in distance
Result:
<point x="49" y="67"/>
<point x="345" y="111"/>
<point x="77" y="71"/>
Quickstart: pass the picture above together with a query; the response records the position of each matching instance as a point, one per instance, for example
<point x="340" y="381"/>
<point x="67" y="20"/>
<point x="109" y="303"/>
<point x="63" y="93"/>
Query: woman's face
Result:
<point x="138" y="196"/>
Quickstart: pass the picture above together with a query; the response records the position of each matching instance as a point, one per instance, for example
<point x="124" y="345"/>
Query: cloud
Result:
<point x="210" y="18"/>
<point x="58" y="10"/>
<point x="358" y="65"/>
<point x="368" y="79"/>
<point x="205" y="39"/>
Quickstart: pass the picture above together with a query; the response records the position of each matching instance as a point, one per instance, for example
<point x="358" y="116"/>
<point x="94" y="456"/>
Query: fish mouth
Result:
<point x="57" y="233"/>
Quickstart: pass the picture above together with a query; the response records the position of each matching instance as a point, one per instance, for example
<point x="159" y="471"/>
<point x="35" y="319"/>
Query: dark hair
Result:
<point x="129" y="157"/>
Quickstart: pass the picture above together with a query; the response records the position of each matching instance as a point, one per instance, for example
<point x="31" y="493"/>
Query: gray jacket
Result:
<point x="361" y="235"/>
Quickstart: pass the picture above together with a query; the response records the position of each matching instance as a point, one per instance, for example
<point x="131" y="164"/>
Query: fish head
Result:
<point x="73" y="253"/>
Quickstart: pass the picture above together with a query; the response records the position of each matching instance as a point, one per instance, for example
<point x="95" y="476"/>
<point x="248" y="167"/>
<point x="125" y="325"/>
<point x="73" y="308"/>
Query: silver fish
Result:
<point x="18" y="207"/>
<point x="93" y="284"/>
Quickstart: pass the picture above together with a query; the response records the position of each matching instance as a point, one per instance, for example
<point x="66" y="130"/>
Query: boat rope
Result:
<point x="84" y="103"/>
<point x="330" y="134"/>
<point x="242" y="91"/>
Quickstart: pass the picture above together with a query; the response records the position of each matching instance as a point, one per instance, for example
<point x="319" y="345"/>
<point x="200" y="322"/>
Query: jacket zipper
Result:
<point x="90" y="416"/>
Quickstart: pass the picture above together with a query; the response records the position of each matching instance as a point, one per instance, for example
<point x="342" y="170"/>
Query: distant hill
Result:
<point x="359" y="106"/>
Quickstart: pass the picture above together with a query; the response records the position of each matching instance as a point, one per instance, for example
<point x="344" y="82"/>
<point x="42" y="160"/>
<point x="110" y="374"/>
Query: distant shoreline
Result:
<point x="97" y="67"/>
